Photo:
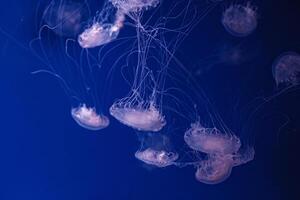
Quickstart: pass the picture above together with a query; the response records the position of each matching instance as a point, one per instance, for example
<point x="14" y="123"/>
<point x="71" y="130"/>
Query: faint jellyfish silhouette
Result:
<point x="65" y="18"/>
<point x="159" y="158"/>
<point x="134" y="5"/>
<point x="88" y="118"/>
<point x="240" y="20"/>
<point x="104" y="28"/>
<point x="217" y="167"/>
<point x="286" y="69"/>
<point x="211" y="140"/>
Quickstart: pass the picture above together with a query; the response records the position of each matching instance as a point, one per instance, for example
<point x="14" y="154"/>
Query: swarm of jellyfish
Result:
<point x="153" y="75"/>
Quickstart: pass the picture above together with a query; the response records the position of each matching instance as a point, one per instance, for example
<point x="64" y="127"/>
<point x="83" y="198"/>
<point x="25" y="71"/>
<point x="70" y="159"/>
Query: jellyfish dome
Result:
<point x="286" y="69"/>
<point x="88" y="118"/>
<point x="140" y="118"/>
<point x="134" y="5"/>
<point x="98" y="35"/>
<point x="214" y="170"/>
<point x="211" y="140"/>
<point x="159" y="158"/>
<point x="240" y="20"/>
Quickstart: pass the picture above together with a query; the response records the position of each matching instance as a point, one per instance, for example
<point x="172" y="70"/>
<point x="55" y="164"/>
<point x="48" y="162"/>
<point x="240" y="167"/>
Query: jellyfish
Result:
<point x="217" y="167"/>
<point x="88" y="118"/>
<point x="65" y="18"/>
<point x="156" y="149"/>
<point x="158" y="158"/>
<point x="76" y="71"/>
<point x="240" y="20"/>
<point x="286" y="69"/>
<point x="102" y="30"/>
<point x="211" y="140"/>
<point x="138" y="117"/>
<point x="134" y="5"/>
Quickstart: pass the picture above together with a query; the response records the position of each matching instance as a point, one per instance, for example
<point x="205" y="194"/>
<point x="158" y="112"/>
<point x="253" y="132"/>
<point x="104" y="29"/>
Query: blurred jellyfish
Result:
<point x="286" y="69"/>
<point x="240" y="20"/>
<point x="158" y="158"/>
<point x="88" y="118"/>
<point x="211" y="140"/>
<point x="65" y="18"/>
<point x="104" y="28"/>
<point x="134" y="5"/>
<point x="217" y="167"/>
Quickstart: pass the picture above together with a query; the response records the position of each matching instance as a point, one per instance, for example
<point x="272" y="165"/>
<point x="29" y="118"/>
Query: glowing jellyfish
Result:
<point x="240" y="20"/>
<point x="214" y="170"/>
<point x="101" y="31"/>
<point x="211" y="140"/>
<point x="159" y="158"/>
<point x="217" y="168"/>
<point x="138" y="117"/>
<point x="134" y="5"/>
<point x="286" y="69"/>
<point x="88" y="118"/>
<point x="65" y="18"/>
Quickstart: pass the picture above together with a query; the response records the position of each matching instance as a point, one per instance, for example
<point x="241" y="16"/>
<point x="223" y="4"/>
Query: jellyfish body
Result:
<point x="286" y="69"/>
<point x="142" y="119"/>
<point x="88" y="118"/>
<point x="66" y="18"/>
<point x="97" y="35"/>
<point x="217" y="167"/>
<point x="102" y="30"/>
<point x="211" y="140"/>
<point x="134" y="5"/>
<point x="214" y="170"/>
<point x="159" y="158"/>
<point x="240" y="20"/>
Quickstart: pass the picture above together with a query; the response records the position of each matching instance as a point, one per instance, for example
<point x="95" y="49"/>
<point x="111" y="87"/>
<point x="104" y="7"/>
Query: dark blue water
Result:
<point x="45" y="155"/>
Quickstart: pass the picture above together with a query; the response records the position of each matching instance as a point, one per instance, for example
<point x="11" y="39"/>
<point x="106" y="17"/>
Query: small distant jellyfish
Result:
<point x="240" y="20"/>
<point x="66" y="18"/>
<point x="214" y="170"/>
<point x="286" y="69"/>
<point x="159" y="158"/>
<point x="211" y="140"/>
<point x="134" y="5"/>
<point x="88" y="118"/>
<point x="142" y="119"/>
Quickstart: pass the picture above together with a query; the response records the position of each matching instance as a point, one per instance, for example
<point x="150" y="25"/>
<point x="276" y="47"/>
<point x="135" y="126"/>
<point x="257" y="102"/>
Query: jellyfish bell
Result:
<point x="240" y="20"/>
<point x="97" y="35"/>
<point x="286" y="69"/>
<point x="138" y="117"/>
<point x="215" y="169"/>
<point x="65" y="18"/>
<point x="158" y="158"/>
<point x="103" y="29"/>
<point x="88" y="118"/>
<point x="211" y="140"/>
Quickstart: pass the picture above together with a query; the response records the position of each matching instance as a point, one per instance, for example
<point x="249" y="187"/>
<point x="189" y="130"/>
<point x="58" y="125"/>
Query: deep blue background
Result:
<point x="44" y="154"/>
